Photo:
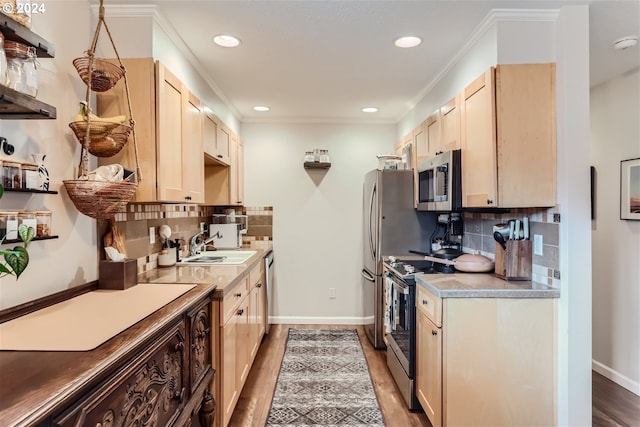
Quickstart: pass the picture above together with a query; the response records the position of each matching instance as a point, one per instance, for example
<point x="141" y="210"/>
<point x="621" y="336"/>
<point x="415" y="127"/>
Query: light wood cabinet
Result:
<point x="239" y="316"/>
<point x="433" y="135"/>
<point x="491" y="363"/>
<point x="509" y="134"/>
<point x="216" y="148"/>
<point x="224" y="185"/>
<point x="450" y="131"/>
<point x="168" y="133"/>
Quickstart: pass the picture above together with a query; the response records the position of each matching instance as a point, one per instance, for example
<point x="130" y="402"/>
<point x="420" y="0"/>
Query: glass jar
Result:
<point x="324" y="156"/>
<point x="12" y="175"/>
<point x="27" y="218"/>
<point x="9" y="223"/>
<point x="43" y="227"/>
<point x="31" y="73"/>
<point x="17" y="56"/>
<point x="30" y="177"/>
<point x="308" y="156"/>
<point x="3" y="62"/>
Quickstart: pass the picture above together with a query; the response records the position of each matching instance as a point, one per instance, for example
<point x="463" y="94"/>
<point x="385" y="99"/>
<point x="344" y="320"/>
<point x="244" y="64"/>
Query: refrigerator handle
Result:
<point x="368" y="276"/>
<point x="372" y="247"/>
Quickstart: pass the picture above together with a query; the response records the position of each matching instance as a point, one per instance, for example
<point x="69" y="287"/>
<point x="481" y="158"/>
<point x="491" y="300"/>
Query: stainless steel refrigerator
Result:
<point x="391" y="227"/>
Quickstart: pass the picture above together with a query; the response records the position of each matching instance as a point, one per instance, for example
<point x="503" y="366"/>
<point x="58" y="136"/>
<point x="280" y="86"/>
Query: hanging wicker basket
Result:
<point x="100" y="199"/>
<point x="106" y="139"/>
<point x="104" y="76"/>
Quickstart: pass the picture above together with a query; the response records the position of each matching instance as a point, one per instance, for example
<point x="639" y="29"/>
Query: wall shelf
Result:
<point x="6" y="242"/>
<point x="316" y="165"/>
<point x="19" y="33"/>
<point x="17" y="106"/>
<point x="28" y="190"/>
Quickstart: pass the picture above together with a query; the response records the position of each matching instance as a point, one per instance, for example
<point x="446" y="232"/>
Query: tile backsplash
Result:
<point x="184" y="221"/>
<point x="478" y="236"/>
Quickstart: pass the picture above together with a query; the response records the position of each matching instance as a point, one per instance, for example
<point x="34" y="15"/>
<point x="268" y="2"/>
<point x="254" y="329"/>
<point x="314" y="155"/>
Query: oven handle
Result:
<point x="401" y="288"/>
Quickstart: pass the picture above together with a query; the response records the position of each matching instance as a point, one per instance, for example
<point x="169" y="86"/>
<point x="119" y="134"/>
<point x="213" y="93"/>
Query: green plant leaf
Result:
<point x="26" y="233"/>
<point x="1" y="191"/>
<point x="18" y="261"/>
<point x="5" y="270"/>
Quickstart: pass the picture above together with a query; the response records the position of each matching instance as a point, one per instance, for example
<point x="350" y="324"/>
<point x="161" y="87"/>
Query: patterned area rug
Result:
<point x="324" y="381"/>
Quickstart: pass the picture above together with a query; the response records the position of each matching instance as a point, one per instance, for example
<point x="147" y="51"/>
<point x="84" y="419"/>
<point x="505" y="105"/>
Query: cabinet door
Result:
<point x="479" y="180"/>
<point x="230" y="388"/>
<point x="236" y="172"/>
<point x="429" y="368"/>
<point x="243" y="343"/>
<point x="526" y="132"/>
<point x="420" y="142"/>
<point x="450" y="122"/>
<point x="199" y="322"/>
<point x="192" y="152"/>
<point x="170" y="132"/>
<point x="214" y="147"/>
<point x="433" y="135"/>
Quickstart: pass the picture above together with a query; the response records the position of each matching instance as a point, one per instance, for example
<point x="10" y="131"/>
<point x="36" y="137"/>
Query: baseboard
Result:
<point x="616" y="377"/>
<point x="316" y="320"/>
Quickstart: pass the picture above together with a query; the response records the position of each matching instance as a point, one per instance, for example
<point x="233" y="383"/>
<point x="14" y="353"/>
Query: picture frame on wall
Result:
<point x="630" y="189"/>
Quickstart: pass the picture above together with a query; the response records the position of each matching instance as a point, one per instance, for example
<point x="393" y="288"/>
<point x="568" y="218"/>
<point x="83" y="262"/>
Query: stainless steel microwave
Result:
<point x="440" y="182"/>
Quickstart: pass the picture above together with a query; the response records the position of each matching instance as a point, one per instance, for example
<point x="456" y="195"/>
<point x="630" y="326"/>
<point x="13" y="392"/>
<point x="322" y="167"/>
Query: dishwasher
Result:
<point x="268" y="271"/>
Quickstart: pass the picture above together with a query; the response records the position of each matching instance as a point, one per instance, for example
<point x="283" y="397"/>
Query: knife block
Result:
<point x="514" y="263"/>
<point x="118" y="275"/>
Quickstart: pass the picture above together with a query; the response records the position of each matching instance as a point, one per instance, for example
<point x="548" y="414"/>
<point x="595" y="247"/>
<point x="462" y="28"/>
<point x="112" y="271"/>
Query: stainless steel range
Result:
<point x="400" y="323"/>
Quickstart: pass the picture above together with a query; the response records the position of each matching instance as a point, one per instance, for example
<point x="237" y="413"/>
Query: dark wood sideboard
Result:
<point x="158" y="373"/>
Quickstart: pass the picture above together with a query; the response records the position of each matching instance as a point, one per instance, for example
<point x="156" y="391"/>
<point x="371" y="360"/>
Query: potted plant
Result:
<point x="15" y="260"/>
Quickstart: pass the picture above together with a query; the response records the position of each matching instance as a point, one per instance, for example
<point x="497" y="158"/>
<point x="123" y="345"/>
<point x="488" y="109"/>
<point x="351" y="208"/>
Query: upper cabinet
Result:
<point x="509" y="138"/>
<point x="13" y="104"/>
<point x="169" y="133"/>
<point x="450" y="133"/>
<point x="224" y="182"/>
<point x="215" y="139"/>
<point x="433" y="136"/>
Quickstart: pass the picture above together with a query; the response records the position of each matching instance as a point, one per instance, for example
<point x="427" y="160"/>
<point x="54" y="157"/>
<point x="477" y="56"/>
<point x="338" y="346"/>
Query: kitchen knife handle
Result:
<point x="525" y="225"/>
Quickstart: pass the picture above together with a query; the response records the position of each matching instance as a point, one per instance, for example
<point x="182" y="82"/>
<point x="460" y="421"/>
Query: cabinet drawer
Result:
<point x="255" y="275"/>
<point x="149" y="390"/>
<point x="429" y="304"/>
<point x="232" y="300"/>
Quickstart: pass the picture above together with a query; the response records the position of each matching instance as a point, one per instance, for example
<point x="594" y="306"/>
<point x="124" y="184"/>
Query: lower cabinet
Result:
<point x="165" y="384"/>
<point x="486" y="361"/>
<point x="239" y="316"/>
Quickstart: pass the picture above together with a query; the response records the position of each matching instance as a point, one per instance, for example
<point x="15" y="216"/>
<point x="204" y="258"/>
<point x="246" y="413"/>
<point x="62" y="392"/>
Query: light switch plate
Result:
<point x="152" y="235"/>
<point x="537" y="244"/>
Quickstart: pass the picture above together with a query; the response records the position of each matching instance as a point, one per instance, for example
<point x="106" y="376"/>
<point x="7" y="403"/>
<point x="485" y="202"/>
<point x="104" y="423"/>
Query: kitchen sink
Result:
<point x="227" y="257"/>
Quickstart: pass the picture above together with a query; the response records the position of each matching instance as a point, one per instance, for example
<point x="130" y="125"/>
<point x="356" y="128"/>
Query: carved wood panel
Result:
<point x="149" y="391"/>
<point x="200" y="352"/>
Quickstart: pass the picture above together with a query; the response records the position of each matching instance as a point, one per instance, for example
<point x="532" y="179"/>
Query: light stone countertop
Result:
<point x="223" y="277"/>
<point x="482" y="285"/>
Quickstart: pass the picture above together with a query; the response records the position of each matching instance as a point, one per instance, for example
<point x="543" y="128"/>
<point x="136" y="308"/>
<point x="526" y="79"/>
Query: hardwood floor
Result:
<point x="255" y="400"/>
<point x="613" y="405"/>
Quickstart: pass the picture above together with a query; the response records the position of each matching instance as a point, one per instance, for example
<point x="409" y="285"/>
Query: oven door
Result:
<point x="400" y="315"/>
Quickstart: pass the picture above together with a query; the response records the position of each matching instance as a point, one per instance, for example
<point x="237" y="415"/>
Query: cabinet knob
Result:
<point x="259" y="285"/>
<point x="240" y="312"/>
<point x="187" y="197"/>
<point x="489" y="201"/>
<point x="179" y="346"/>
<point x="425" y="302"/>
<point x="220" y="156"/>
<point x="239" y="294"/>
<point x="434" y="332"/>
<point x="179" y="394"/>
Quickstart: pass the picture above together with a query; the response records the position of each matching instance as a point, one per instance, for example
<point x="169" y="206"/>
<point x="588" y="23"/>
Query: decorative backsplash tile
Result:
<point x="184" y="221"/>
<point x="478" y="236"/>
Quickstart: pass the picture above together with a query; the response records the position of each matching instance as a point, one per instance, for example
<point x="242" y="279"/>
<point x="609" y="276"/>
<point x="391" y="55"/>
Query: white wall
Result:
<point x="317" y="215"/>
<point x="72" y="259"/>
<point x="615" y="136"/>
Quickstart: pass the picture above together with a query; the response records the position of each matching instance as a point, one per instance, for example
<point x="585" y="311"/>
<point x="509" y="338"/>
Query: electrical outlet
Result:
<point x="152" y="235"/>
<point x="537" y="244"/>
<point x="332" y="293"/>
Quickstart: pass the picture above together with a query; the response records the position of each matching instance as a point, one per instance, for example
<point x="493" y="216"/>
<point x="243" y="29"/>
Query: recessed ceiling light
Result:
<point x="261" y="108"/>
<point x="625" y="42"/>
<point x="226" y="40"/>
<point x="370" y="110"/>
<point x="408" y="41"/>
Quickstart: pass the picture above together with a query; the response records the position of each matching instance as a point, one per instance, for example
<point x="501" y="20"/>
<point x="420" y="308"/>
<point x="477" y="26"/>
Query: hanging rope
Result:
<point x="84" y="158"/>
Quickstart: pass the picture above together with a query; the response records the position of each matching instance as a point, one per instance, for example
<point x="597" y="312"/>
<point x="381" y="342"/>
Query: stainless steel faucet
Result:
<point x="196" y="246"/>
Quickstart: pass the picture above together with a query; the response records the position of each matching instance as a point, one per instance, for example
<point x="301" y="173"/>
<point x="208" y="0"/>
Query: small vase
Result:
<point x="43" y="173"/>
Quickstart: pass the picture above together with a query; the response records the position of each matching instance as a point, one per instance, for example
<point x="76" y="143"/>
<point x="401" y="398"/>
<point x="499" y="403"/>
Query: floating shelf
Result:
<point x="6" y="242"/>
<point x="316" y="165"/>
<point x="28" y="190"/>
<point x="17" y="106"/>
<point x="21" y="34"/>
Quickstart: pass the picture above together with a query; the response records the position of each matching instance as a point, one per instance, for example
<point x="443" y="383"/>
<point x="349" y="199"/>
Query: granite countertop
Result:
<point x="482" y="285"/>
<point x="223" y="277"/>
